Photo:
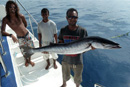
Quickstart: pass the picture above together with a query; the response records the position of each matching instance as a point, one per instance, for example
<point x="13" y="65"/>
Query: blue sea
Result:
<point x="104" y="18"/>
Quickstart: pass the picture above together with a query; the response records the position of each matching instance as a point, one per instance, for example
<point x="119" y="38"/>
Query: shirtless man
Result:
<point x="18" y="24"/>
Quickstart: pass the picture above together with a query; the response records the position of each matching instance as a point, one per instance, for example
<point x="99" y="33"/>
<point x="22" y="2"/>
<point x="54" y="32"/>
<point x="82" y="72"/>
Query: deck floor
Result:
<point x="35" y="76"/>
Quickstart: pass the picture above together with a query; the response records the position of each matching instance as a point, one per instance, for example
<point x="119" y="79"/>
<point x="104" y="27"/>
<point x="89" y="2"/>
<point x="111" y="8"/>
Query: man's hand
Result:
<point x="14" y="39"/>
<point x="93" y="48"/>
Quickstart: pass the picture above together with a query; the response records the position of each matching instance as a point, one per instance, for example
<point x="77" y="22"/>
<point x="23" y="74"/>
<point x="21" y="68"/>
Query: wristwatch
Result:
<point x="10" y="35"/>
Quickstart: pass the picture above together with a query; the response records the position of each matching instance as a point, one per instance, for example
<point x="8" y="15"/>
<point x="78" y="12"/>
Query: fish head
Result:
<point x="102" y="43"/>
<point x="99" y="45"/>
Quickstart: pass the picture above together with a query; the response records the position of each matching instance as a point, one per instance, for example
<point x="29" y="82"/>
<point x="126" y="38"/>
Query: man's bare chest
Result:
<point x="15" y="23"/>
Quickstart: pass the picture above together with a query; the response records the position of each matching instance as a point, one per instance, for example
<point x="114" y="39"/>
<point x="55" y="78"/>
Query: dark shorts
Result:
<point x="25" y="41"/>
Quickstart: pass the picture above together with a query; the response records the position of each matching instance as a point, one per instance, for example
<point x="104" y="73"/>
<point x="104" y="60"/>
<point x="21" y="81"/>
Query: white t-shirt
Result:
<point x="47" y="30"/>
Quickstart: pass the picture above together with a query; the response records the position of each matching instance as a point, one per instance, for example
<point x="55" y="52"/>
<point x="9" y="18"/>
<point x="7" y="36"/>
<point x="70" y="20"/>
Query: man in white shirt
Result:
<point x="47" y="33"/>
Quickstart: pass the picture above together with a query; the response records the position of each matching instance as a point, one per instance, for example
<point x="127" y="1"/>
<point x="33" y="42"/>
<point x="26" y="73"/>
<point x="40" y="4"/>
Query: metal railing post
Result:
<point x="3" y="51"/>
<point x="0" y="29"/>
<point x="4" y="67"/>
<point x="1" y="36"/>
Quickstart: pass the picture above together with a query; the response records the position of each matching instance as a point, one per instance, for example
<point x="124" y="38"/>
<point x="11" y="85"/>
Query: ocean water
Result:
<point x="105" y="18"/>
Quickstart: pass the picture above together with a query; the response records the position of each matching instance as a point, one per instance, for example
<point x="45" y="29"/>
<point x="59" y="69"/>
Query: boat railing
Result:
<point x="2" y="11"/>
<point x="1" y="40"/>
<point x="4" y="67"/>
<point x="0" y="30"/>
<point x="30" y="17"/>
<point x="3" y="51"/>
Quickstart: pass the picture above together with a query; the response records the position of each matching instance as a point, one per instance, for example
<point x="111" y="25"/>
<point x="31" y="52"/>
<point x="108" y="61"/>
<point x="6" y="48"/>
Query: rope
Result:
<point x="126" y="34"/>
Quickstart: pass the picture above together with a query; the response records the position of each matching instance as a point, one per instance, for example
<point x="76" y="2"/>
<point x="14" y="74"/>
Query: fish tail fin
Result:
<point x="28" y="50"/>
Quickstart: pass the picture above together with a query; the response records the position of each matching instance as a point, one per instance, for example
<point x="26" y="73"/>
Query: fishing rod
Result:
<point x="126" y="34"/>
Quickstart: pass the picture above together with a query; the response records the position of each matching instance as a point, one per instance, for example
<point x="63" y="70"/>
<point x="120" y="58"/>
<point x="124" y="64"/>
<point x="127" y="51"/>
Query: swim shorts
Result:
<point x="25" y="41"/>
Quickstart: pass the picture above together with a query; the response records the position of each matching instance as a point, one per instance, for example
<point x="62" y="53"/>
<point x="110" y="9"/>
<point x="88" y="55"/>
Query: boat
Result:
<point x="12" y="68"/>
<point x="13" y="71"/>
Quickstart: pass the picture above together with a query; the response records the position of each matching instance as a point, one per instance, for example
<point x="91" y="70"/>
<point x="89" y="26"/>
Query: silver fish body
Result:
<point x="76" y="47"/>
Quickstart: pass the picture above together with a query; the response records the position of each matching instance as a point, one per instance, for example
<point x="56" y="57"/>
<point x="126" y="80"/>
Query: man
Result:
<point x="47" y="34"/>
<point x="18" y="24"/>
<point x="67" y="34"/>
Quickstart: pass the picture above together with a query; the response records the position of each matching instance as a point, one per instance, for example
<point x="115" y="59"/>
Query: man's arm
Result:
<point x="24" y="20"/>
<point x="55" y="36"/>
<point x="4" y="22"/>
<point x="40" y="37"/>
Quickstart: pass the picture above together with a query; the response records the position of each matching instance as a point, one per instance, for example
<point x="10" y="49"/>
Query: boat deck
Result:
<point x="21" y="76"/>
<point x="30" y="76"/>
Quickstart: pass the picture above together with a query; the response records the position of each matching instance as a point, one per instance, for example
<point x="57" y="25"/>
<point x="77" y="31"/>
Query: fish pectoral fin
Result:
<point x="90" y="45"/>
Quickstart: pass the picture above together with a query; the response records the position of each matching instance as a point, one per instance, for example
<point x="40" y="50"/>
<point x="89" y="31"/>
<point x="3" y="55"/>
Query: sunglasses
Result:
<point x="72" y="17"/>
<point x="12" y="7"/>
